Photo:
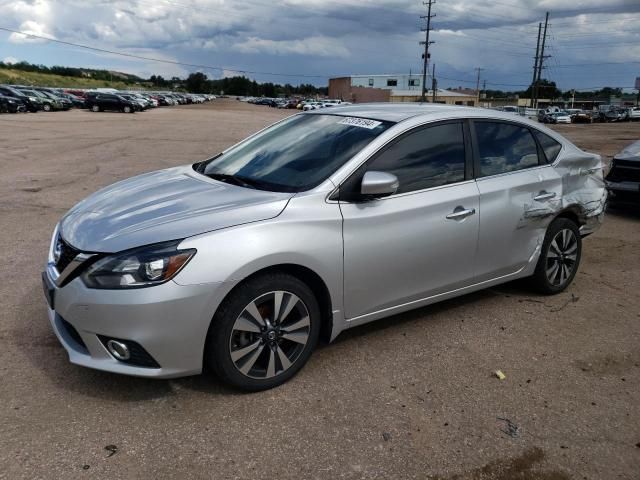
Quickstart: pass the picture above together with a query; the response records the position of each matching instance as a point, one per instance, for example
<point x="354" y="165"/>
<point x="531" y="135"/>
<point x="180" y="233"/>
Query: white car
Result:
<point x="312" y="106"/>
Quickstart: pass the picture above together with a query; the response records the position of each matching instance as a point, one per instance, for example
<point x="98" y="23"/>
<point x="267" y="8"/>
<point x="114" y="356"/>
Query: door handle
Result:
<point x="460" y="213"/>
<point x="544" y="196"/>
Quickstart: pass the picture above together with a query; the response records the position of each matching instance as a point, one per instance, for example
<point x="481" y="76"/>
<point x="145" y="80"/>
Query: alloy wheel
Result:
<point x="270" y="334"/>
<point x="561" y="257"/>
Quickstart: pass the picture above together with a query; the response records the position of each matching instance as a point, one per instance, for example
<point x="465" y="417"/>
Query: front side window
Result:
<point x="295" y="155"/>
<point x="424" y="158"/>
<point x="550" y="146"/>
<point x="504" y="147"/>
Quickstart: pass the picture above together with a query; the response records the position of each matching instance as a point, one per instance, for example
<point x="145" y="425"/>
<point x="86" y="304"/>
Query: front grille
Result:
<point x="624" y="171"/>
<point x="67" y="254"/>
<point x="139" y="357"/>
<point x="72" y="332"/>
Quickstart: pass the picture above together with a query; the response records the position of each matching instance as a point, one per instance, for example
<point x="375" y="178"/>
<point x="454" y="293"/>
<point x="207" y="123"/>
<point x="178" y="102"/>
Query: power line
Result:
<point x="160" y="60"/>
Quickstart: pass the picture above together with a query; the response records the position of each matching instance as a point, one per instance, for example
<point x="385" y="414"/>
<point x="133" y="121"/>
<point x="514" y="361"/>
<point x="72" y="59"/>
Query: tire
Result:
<point x="46" y="107"/>
<point x="95" y="108"/>
<point x="560" y="257"/>
<point x="249" y="352"/>
<point x="127" y="109"/>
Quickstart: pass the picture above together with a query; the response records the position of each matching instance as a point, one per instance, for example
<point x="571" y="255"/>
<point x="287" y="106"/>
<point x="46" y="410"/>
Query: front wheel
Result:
<point x="46" y="107"/>
<point x="264" y="332"/>
<point x="95" y="108"/>
<point x="559" y="258"/>
<point x="127" y="109"/>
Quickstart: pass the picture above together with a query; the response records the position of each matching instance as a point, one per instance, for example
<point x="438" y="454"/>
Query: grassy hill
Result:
<point x="19" y="77"/>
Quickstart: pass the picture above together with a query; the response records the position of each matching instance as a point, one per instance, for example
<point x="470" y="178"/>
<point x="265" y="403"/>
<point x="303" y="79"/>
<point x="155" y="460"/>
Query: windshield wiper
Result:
<point x="233" y="179"/>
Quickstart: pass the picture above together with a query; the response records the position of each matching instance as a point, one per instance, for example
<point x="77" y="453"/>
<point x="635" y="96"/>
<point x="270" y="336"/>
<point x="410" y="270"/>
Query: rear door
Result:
<point x="420" y="241"/>
<point x="519" y="191"/>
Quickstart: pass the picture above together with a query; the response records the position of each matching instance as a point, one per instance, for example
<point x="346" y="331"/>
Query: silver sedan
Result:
<point x="321" y="222"/>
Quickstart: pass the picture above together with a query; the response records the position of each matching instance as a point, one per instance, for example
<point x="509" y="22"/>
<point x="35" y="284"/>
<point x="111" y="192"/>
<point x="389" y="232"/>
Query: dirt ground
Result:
<point x="411" y="396"/>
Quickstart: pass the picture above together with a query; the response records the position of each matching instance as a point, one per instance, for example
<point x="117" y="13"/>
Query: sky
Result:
<point x="591" y="43"/>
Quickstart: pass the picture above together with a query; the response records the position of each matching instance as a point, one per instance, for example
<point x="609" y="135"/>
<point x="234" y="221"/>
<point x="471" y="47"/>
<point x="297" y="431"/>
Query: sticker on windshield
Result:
<point x="360" y="122"/>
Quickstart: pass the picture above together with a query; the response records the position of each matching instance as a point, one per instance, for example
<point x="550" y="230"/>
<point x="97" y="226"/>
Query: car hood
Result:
<point x="164" y="205"/>
<point x="630" y="152"/>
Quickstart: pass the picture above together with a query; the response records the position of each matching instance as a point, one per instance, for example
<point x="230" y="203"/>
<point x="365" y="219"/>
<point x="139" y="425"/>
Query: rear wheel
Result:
<point x="95" y="108"/>
<point x="559" y="258"/>
<point x="264" y="332"/>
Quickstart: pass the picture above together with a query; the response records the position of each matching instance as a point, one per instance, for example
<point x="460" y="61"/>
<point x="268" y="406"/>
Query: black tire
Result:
<point x="221" y="332"/>
<point x="546" y="279"/>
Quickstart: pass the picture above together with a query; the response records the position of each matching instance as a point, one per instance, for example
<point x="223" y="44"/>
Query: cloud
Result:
<point x="10" y="60"/>
<point x="335" y="37"/>
<point x="314" y="46"/>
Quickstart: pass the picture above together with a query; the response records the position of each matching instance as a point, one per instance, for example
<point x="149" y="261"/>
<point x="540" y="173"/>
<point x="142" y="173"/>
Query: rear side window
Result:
<point x="504" y="147"/>
<point x="425" y="158"/>
<point x="550" y="146"/>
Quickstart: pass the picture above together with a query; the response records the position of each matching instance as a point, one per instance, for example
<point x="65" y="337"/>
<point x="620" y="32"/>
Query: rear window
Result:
<point x="550" y="146"/>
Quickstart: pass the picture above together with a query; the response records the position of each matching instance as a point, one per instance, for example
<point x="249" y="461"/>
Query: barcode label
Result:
<point x="360" y="122"/>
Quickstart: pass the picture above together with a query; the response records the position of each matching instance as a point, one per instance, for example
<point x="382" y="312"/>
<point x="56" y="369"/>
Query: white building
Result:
<point x="400" y="81"/>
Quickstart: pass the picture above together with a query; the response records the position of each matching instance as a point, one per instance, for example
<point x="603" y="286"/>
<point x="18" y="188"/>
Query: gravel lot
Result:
<point x="412" y="396"/>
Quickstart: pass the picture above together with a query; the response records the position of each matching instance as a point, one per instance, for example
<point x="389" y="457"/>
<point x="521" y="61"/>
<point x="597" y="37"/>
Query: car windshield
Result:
<point x="294" y="155"/>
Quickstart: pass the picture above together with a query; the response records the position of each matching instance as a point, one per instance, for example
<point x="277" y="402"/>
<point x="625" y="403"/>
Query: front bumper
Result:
<point x="169" y="321"/>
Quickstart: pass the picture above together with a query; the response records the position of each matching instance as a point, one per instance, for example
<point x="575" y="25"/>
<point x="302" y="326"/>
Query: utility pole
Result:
<point x="434" y="84"/>
<point x="484" y="89"/>
<point x="426" y="44"/>
<point x="535" y="68"/>
<point x="542" y="56"/>
<point x="478" y="86"/>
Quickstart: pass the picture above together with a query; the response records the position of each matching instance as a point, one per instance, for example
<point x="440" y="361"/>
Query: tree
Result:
<point x="197" y="83"/>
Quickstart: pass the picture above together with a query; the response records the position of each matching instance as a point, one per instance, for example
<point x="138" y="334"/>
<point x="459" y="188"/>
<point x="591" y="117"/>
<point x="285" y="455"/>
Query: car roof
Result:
<point x="397" y="112"/>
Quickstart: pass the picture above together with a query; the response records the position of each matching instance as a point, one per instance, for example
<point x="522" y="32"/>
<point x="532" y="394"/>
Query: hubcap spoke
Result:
<point x="298" y="337"/>
<point x="243" y="352"/>
<point x="246" y="325"/>
<point x="303" y="322"/>
<point x="562" y="256"/>
<point x="252" y="309"/>
<point x="271" y="367"/>
<point x="284" y="360"/>
<point x="291" y="302"/>
<point x="248" y="365"/>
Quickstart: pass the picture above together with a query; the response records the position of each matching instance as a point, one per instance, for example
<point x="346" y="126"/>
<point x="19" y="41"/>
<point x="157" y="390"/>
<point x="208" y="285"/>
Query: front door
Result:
<point x="420" y="241"/>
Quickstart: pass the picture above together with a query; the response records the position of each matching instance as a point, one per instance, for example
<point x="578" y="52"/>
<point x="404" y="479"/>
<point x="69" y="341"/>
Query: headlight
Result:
<point x="139" y="267"/>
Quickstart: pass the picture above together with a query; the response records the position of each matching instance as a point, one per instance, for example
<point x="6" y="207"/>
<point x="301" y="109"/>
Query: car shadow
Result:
<point x="516" y="288"/>
<point x="46" y="354"/>
<point x="624" y="210"/>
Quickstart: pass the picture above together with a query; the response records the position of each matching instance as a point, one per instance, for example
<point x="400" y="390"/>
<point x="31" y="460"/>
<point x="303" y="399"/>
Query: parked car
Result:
<point x="314" y="225"/>
<point x="623" y="179"/>
<point x="581" y="117"/>
<point x="615" y="115"/>
<point x="11" y="105"/>
<point x="100" y="102"/>
<point x="138" y="103"/>
<point x="633" y="113"/>
<point x="557" y="117"/>
<point x="32" y="103"/>
<point x="48" y="104"/>
<point x="77" y="102"/>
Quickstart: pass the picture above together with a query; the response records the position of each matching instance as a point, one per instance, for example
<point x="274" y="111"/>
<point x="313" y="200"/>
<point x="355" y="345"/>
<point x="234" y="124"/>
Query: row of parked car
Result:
<point x="293" y="103"/>
<point x="21" y="98"/>
<point x="614" y="114"/>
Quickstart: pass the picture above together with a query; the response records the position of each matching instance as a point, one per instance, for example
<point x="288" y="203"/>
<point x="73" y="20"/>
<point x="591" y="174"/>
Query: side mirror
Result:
<point x="378" y="184"/>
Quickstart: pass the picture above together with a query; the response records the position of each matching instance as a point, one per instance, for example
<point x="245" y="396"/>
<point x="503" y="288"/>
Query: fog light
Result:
<point x="119" y="350"/>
